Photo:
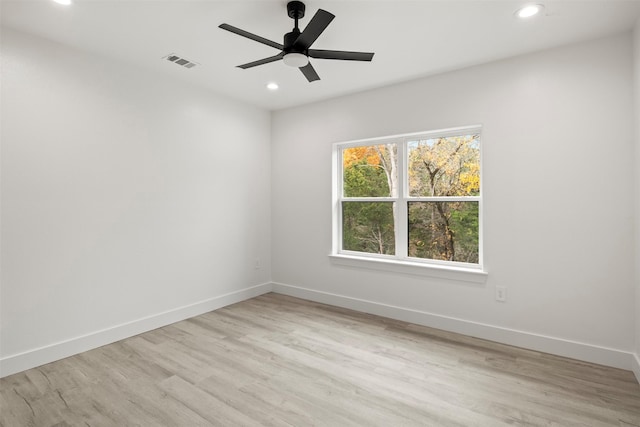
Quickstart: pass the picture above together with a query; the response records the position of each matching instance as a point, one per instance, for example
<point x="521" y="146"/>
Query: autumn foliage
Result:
<point x="443" y="176"/>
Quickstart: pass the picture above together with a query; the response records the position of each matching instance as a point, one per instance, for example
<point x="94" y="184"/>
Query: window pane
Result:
<point x="445" y="231"/>
<point x="444" y="166"/>
<point x="370" y="171"/>
<point x="368" y="227"/>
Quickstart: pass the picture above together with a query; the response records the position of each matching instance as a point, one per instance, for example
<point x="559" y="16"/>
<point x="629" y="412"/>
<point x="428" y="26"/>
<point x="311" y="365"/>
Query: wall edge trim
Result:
<point x="13" y="364"/>
<point x="636" y="366"/>
<point x="553" y="345"/>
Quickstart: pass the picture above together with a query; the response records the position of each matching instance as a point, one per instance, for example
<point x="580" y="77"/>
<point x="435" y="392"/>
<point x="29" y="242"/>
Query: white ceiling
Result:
<point x="410" y="38"/>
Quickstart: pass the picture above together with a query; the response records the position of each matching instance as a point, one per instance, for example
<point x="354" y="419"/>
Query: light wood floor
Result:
<point x="281" y="361"/>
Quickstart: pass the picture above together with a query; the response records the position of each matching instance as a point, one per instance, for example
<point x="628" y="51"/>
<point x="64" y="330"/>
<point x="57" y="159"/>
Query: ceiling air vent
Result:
<point x="180" y="61"/>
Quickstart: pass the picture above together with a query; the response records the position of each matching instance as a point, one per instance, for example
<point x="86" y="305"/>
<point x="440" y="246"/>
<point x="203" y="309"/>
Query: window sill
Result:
<point x="414" y="268"/>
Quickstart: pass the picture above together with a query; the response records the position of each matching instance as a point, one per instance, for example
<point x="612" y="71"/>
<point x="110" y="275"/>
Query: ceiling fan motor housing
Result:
<point x="289" y="41"/>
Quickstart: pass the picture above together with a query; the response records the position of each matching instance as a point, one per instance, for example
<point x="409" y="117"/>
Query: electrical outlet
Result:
<point x="257" y="264"/>
<point x="501" y="293"/>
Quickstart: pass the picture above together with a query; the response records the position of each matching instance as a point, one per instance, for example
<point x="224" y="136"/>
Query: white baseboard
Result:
<point x="30" y="359"/>
<point x="561" y="347"/>
<point x="605" y="356"/>
<point x="636" y="366"/>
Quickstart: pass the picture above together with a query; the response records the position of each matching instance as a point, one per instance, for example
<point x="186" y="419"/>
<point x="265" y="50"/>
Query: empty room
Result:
<point x="320" y="213"/>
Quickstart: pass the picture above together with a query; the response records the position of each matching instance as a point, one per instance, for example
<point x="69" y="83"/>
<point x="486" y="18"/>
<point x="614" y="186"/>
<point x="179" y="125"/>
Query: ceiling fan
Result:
<point x="295" y="51"/>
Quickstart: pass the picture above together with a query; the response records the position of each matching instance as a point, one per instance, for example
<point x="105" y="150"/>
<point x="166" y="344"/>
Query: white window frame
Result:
<point x="401" y="262"/>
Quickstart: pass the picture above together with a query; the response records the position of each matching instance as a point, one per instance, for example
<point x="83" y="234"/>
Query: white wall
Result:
<point x="636" y="74"/>
<point x="558" y="188"/>
<point x="126" y="197"/>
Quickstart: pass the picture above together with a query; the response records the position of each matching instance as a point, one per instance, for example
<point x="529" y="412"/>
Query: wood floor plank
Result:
<point x="279" y="361"/>
<point x="215" y="411"/>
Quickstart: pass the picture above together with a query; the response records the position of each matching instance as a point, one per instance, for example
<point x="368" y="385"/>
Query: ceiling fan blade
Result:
<point x="316" y="26"/>
<point x="248" y="35"/>
<point x="310" y="73"/>
<point x="341" y="54"/>
<point x="261" y="61"/>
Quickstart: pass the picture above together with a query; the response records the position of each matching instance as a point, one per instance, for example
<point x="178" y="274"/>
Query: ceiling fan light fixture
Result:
<point x="296" y="60"/>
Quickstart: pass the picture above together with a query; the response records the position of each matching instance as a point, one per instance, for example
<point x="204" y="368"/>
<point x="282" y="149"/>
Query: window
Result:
<point x="410" y="199"/>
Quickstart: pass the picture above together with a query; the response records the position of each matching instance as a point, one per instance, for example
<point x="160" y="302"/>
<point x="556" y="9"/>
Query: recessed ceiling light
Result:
<point x="273" y="86"/>
<point x="64" y="2"/>
<point x="529" y="10"/>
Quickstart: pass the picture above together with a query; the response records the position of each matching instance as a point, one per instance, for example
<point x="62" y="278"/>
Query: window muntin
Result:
<point x="414" y="198"/>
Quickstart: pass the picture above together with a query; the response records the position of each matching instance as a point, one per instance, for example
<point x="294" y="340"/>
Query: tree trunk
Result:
<point x="448" y="233"/>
